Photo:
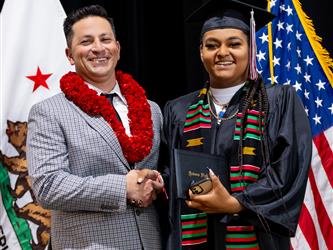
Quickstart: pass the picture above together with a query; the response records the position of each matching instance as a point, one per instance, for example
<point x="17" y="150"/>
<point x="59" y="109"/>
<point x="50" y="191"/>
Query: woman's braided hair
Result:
<point x="255" y="93"/>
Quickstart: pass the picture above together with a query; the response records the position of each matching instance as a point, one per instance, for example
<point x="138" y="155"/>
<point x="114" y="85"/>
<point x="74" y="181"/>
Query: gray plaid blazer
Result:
<point x="78" y="170"/>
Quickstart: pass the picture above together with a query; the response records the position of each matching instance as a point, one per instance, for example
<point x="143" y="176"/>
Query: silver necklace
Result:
<point x="219" y="118"/>
<point x="223" y="106"/>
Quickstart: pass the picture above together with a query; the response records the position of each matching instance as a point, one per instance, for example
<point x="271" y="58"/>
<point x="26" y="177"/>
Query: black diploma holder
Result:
<point x="192" y="167"/>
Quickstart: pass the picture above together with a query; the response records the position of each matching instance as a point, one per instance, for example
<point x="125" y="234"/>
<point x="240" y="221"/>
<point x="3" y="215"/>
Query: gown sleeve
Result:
<point x="168" y="143"/>
<point x="166" y="138"/>
<point x="174" y="114"/>
<point x="277" y="197"/>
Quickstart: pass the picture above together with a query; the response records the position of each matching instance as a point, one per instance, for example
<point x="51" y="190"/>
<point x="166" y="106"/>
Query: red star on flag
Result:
<point x="39" y="79"/>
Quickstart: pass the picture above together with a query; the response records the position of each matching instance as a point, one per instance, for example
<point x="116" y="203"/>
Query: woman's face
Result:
<point x="225" y="55"/>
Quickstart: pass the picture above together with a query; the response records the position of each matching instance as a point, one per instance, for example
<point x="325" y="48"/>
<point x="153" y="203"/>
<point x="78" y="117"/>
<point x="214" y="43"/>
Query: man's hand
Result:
<point x="146" y="173"/>
<point x="143" y="186"/>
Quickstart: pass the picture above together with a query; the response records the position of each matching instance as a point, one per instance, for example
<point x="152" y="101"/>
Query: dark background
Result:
<point x="161" y="51"/>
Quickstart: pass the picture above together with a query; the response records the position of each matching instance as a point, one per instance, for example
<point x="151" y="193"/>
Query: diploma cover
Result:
<point x="191" y="166"/>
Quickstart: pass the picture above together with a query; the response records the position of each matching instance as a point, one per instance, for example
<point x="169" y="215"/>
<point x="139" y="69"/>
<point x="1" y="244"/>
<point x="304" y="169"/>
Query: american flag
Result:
<point x="290" y="53"/>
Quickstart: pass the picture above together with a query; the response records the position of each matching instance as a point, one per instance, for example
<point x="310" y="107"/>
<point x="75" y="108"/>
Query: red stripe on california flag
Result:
<point x="326" y="155"/>
<point x="323" y="218"/>
<point x="308" y="228"/>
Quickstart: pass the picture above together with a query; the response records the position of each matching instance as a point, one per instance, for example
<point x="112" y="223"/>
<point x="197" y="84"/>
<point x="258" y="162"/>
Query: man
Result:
<point x="90" y="158"/>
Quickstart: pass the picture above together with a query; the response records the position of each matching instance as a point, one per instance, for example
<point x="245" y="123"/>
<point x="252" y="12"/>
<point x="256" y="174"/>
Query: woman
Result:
<point x="261" y="132"/>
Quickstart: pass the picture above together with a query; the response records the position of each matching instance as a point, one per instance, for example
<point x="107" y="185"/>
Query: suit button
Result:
<point x="137" y="211"/>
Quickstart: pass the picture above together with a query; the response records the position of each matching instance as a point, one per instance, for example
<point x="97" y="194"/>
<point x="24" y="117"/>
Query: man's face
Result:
<point x="94" y="50"/>
<point x="225" y="55"/>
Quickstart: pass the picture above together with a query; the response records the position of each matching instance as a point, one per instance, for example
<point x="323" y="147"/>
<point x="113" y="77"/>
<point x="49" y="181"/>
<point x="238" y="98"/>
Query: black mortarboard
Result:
<point x="219" y="14"/>
<point x="234" y="12"/>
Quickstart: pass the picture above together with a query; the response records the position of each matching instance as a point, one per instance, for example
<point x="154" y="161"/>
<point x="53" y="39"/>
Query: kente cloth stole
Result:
<point x="196" y="137"/>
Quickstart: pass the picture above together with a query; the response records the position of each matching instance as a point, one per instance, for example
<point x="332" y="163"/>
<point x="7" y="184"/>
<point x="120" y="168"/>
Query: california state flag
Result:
<point x="32" y="49"/>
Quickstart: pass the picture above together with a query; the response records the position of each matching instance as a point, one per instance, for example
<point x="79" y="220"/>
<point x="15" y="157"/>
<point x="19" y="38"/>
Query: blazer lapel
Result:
<point x="103" y="128"/>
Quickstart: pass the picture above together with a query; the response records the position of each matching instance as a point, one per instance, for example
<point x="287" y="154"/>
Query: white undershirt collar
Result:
<point x="224" y="95"/>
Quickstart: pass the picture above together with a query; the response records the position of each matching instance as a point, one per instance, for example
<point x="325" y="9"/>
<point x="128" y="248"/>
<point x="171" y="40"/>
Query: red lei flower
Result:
<point x="135" y="147"/>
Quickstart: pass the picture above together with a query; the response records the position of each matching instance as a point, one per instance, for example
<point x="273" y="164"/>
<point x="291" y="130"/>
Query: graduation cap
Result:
<point x="244" y="15"/>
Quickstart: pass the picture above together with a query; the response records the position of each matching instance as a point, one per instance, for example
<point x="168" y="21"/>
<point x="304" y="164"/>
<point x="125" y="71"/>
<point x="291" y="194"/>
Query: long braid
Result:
<point x="263" y="109"/>
<point x="256" y="87"/>
<point x="245" y="106"/>
<point x="256" y="92"/>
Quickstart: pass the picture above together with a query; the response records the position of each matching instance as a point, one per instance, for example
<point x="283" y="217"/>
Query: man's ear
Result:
<point x="69" y="56"/>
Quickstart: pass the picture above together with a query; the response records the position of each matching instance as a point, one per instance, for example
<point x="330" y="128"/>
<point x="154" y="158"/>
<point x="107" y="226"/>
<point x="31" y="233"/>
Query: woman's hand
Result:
<point x="218" y="200"/>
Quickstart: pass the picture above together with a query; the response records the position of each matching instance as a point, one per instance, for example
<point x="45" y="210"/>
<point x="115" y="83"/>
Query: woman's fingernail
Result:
<point x="211" y="172"/>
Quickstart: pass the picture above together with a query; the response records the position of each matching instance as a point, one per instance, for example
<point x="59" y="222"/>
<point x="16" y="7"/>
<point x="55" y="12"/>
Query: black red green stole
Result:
<point x="196" y="137"/>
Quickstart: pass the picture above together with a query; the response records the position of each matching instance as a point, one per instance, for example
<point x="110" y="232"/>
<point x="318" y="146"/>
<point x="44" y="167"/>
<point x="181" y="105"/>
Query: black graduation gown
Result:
<point x="278" y="193"/>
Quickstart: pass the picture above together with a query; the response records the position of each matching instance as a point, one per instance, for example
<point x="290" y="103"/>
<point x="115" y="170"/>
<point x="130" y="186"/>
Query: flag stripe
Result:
<point x="326" y="155"/>
<point x="322" y="182"/>
<point x="308" y="228"/>
<point x="310" y="205"/>
<point x="329" y="135"/>
<point x="299" y="241"/>
<point x="324" y="220"/>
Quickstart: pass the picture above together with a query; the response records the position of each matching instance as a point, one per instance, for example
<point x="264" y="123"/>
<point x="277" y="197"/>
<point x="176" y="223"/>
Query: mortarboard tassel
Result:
<point x="253" y="48"/>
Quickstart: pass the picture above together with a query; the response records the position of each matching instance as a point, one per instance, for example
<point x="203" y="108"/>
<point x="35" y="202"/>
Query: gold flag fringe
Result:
<point x="321" y="53"/>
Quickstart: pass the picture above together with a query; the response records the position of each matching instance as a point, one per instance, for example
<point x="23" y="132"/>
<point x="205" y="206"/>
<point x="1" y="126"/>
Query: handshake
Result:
<point x="143" y="186"/>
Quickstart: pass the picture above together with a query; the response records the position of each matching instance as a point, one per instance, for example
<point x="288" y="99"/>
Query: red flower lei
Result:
<point x="136" y="147"/>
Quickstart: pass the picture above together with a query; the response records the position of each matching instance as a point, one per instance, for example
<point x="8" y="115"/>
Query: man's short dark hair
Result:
<point x="79" y="14"/>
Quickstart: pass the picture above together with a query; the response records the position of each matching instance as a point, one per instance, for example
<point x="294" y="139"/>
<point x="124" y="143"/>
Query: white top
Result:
<point x="224" y="95"/>
<point x="119" y="103"/>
